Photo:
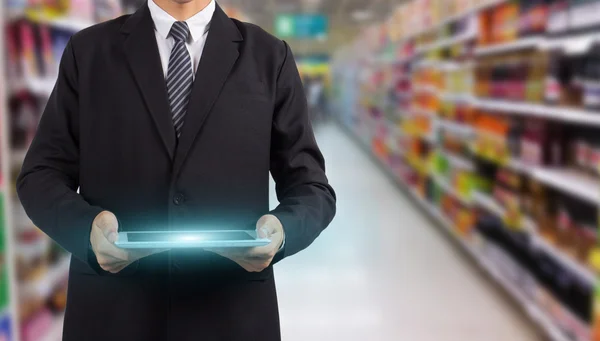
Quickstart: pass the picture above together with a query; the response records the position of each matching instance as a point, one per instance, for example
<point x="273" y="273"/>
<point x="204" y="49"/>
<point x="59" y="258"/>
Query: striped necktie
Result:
<point x="180" y="75"/>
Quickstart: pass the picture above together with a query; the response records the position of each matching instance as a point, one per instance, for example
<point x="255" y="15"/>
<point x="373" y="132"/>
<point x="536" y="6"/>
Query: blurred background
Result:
<point x="462" y="137"/>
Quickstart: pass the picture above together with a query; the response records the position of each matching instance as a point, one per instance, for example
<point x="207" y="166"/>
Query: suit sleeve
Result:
<point x="307" y="201"/>
<point x="48" y="182"/>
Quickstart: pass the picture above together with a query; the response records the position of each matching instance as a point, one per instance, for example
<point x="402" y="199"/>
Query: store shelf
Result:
<point x="573" y="182"/>
<point x="532" y="310"/>
<point x="18" y="156"/>
<point x="418" y="111"/>
<point x="538" y="242"/>
<point x="404" y="59"/>
<point x="487" y="202"/>
<point x="446" y="186"/>
<point x="455" y="128"/>
<point x="457" y="97"/>
<point x="537" y="315"/>
<point x="566" y="260"/>
<point x="427" y="63"/>
<point x="55" y="332"/>
<point x="426" y="88"/>
<point x="72" y="24"/>
<point x="447" y="42"/>
<point x="40" y="86"/>
<point x="34" y="250"/>
<point x="462" y="15"/>
<point x="571" y="115"/>
<point x="66" y="23"/>
<point x="458" y="161"/>
<point x="425" y="137"/>
<point x="417" y="164"/>
<point x="521" y="44"/>
<point x="572" y="44"/>
<point x="577" y="184"/>
<point x="43" y="286"/>
<point x="394" y="129"/>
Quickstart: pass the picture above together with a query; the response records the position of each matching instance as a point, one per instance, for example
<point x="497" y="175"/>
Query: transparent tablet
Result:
<point x="189" y="239"/>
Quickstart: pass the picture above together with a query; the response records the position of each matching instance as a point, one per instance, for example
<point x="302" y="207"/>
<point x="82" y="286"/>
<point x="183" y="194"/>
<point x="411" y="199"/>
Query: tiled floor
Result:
<point x="382" y="272"/>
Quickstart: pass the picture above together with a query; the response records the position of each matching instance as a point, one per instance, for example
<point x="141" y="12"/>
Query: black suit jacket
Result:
<point x="107" y="130"/>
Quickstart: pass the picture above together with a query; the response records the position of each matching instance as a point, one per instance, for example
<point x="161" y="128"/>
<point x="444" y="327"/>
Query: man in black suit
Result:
<point x="155" y="137"/>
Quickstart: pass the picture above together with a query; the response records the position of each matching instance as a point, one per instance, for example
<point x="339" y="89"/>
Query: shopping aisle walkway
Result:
<point x="383" y="272"/>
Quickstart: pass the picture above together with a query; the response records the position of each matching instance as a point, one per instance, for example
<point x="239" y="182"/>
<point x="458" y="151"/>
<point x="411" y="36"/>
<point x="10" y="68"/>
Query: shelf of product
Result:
<point x="517" y="45"/>
<point x="478" y="249"/>
<point x="568" y="262"/>
<point x="455" y="128"/>
<point x="39" y="86"/>
<point x="499" y="140"/>
<point x="55" y="330"/>
<point x="490" y="204"/>
<point x="443" y="14"/>
<point x="47" y="281"/>
<point x="36" y="35"/>
<point x="575" y="183"/>
<point x="446" y="186"/>
<point x="571" y="115"/>
<point x="457" y="161"/>
<point x="423" y="112"/>
<point x="447" y="42"/>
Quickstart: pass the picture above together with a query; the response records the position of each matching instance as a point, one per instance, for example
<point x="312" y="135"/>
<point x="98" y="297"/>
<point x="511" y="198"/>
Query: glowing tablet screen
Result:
<point x="187" y="237"/>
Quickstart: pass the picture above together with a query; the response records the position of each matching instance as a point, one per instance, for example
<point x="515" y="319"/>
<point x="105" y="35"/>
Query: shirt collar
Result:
<point x="198" y="24"/>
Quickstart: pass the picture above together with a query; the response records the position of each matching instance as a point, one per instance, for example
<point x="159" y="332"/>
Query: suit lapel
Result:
<point x="218" y="58"/>
<point x="144" y="60"/>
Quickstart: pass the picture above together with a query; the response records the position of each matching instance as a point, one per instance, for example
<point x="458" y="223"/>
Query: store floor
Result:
<point x="383" y="272"/>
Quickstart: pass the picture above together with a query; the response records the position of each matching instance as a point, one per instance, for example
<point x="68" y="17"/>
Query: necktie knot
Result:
<point x="180" y="31"/>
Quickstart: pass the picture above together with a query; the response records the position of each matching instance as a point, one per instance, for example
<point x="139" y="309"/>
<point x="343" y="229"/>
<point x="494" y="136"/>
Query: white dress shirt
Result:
<point x="198" y="24"/>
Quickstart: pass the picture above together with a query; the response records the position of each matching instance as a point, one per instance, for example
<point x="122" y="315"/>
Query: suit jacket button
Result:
<point x="178" y="199"/>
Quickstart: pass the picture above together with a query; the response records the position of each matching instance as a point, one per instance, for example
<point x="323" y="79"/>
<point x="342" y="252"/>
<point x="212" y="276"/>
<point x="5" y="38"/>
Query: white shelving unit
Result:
<point x="443" y="183"/>
<point x="457" y="98"/>
<point x="568" y="182"/>
<point x="457" y="160"/>
<point x="459" y="16"/>
<point x="533" y="311"/>
<point x="426" y="88"/>
<point x="521" y="44"/>
<point x="576" y="184"/>
<point x="538" y="242"/>
<point x="38" y="86"/>
<point x="572" y="182"/>
<point x="489" y="204"/>
<point x="566" y="260"/>
<point x="422" y="112"/>
<point x="443" y="43"/>
<point x="455" y="128"/>
<point x="571" y="115"/>
<point x="572" y="44"/>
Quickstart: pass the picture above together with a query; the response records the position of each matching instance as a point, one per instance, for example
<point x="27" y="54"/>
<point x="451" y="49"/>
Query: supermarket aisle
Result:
<point x="382" y="272"/>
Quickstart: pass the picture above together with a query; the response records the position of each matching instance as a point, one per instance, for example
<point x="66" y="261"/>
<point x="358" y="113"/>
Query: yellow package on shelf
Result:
<point x="418" y="165"/>
<point x="594" y="259"/>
